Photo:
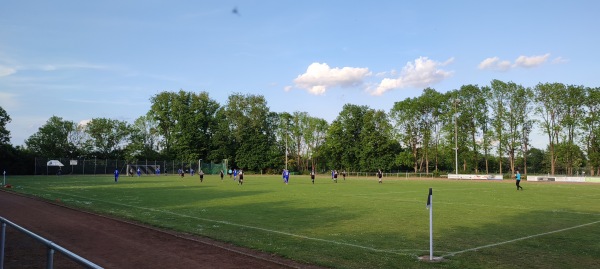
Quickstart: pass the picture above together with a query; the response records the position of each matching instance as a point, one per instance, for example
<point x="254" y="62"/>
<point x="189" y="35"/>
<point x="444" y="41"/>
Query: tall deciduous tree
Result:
<point x="253" y="127"/>
<point x="144" y="139"/>
<point x="186" y="121"/>
<point x="499" y="103"/>
<point x="108" y="136"/>
<point x="4" y="133"/>
<point x="406" y="114"/>
<point x="51" y="140"/>
<point x="548" y="99"/>
<point x="591" y="128"/>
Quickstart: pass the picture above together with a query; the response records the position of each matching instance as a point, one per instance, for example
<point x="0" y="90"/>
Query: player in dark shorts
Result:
<point x="344" y="175"/>
<point x="221" y="175"/>
<point x="335" y="175"/>
<point x="379" y="175"/>
<point x="241" y="174"/>
<point x="201" y="175"/>
<point x="312" y="176"/>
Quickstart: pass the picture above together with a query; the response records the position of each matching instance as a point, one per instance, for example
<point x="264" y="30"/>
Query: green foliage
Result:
<point x="52" y="139"/>
<point x="4" y="133"/>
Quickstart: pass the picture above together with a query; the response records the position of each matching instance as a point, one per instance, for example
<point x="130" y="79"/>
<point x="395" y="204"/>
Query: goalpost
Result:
<point x="146" y="169"/>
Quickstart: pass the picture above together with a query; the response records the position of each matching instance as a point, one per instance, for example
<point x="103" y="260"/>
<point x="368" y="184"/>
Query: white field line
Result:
<point x="402" y="252"/>
<point x="519" y="239"/>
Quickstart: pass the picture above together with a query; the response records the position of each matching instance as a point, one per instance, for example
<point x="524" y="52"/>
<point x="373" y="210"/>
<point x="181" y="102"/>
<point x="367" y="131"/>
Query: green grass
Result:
<point x="357" y="223"/>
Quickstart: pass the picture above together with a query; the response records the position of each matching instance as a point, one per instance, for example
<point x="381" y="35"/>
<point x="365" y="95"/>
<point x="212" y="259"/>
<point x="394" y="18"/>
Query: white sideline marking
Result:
<point x="519" y="239"/>
<point x="252" y="227"/>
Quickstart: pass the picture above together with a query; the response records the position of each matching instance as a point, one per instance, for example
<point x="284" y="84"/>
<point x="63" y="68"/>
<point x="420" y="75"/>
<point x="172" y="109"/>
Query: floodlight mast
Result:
<point x="456" y="102"/>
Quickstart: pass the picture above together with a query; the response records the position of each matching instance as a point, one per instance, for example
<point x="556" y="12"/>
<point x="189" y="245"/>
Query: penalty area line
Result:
<point x="518" y="239"/>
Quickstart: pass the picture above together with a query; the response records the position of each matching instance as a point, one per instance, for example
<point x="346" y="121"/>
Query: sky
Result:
<point x="80" y="60"/>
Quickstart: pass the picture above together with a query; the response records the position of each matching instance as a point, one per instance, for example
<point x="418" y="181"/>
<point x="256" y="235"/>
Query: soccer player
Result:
<point x="312" y="176"/>
<point x="335" y="175"/>
<point x="518" y="178"/>
<point x="379" y="175"/>
<point x="235" y="174"/>
<point x="192" y="172"/>
<point x="241" y="173"/>
<point x="221" y="175"/>
<point x="201" y="173"/>
<point x="139" y="172"/>
<point x="286" y="176"/>
<point x="116" y="175"/>
<point x="344" y="174"/>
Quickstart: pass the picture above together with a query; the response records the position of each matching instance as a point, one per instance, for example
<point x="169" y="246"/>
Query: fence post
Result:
<point x="50" y="262"/>
<point x="2" y="240"/>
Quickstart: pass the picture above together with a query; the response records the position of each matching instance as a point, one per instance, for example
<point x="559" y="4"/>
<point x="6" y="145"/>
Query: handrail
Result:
<point x="51" y="247"/>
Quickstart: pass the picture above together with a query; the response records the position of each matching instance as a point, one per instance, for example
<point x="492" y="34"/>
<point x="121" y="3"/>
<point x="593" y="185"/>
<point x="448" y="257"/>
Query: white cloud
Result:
<point x="495" y="64"/>
<point x="423" y="72"/>
<point x="6" y="71"/>
<point x="319" y="77"/>
<point x="84" y="123"/>
<point x="531" y="61"/>
<point x="559" y="60"/>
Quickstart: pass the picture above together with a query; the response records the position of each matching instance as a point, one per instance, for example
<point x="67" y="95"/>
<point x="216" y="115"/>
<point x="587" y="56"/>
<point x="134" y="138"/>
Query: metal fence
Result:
<point x="49" y="244"/>
<point x="96" y="166"/>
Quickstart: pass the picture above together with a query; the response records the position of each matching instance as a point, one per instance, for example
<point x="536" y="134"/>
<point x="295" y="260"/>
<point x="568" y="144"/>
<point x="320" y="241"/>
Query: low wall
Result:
<point x="481" y="177"/>
<point x="563" y="179"/>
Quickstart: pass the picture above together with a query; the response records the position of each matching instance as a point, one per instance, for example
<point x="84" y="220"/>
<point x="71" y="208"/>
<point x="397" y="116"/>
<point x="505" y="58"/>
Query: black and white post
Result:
<point x="430" y="207"/>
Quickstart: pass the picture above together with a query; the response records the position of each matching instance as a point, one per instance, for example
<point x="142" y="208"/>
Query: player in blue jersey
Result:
<point x="139" y="172"/>
<point x="518" y="178"/>
<point x="286" y="176"/>
<point x="116" y="175"/>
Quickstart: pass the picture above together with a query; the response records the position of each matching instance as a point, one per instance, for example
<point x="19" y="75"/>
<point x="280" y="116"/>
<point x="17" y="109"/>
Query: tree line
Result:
<point x="473" y="129"/>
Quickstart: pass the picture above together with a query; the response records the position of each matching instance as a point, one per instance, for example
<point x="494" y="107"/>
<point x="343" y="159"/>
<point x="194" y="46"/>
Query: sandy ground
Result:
<point x="112" y="243"/>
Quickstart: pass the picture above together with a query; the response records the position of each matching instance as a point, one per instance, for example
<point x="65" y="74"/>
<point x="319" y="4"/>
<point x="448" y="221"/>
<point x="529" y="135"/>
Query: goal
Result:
<point x="147" y="169"/>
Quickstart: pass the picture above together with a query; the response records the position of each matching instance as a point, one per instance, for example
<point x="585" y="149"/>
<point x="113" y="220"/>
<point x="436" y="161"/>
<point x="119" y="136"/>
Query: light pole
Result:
<point x="456" y="102"/>
<point x="286" y="149"/>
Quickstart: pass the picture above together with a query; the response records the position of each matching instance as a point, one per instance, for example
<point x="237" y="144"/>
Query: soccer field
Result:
<point x="356" y="223"/>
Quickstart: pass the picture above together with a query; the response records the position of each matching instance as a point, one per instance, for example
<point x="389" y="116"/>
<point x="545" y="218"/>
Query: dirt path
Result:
<point x="112" y="243"/>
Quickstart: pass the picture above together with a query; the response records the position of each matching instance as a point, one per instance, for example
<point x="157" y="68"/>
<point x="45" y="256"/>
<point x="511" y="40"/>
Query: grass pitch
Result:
<point x="356" y="223"/>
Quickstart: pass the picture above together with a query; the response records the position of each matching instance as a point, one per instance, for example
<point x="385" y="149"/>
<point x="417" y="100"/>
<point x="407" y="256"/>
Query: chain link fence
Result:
<point x="106" y="166"/>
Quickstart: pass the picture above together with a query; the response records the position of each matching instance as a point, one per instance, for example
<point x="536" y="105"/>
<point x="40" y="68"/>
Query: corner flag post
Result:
<point x="430" y="207"/>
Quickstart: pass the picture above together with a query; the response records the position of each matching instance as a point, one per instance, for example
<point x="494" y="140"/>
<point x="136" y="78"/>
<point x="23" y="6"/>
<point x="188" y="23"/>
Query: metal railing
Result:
<point x="49" y="244"/>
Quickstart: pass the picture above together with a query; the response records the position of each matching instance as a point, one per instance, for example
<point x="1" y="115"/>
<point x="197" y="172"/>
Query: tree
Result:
<point x="144" y="139"/>
<point x="315" y="137"/>
<point x="548" y="98"/>
<point x="4" y="133"/>
<point x="432" y="111"/>
<point x="377" y="148"/>
<point x="186" y="121"/>
<point x="473" y="109"/>
<point x="51" y="140"/>
<point x="108" y="136"/>
<point x="590" y="128"/>
<point x="253" y="128"/>
<point x="499" y="102"/>
<point x="406" y="114"/>
<point x="573" y="112"/>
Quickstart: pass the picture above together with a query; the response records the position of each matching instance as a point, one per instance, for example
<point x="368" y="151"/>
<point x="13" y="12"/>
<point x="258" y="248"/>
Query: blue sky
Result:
<point x="86" y="59"/>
